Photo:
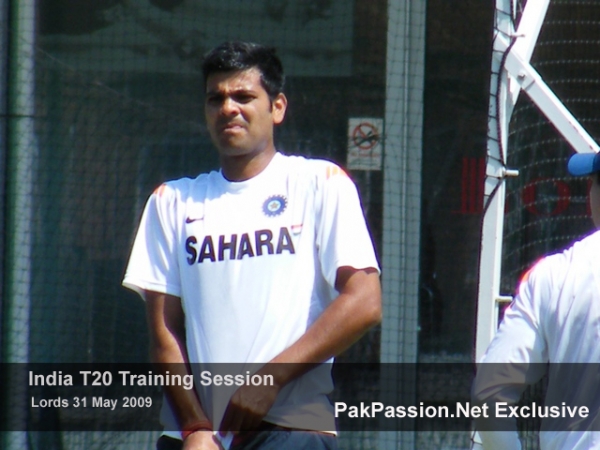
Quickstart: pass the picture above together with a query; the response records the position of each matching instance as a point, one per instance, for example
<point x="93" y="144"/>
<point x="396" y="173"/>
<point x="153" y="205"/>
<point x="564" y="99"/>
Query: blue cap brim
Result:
<point x="584" y="164"/>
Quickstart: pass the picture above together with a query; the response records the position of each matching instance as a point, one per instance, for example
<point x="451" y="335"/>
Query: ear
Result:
<point x="279" y="107"/>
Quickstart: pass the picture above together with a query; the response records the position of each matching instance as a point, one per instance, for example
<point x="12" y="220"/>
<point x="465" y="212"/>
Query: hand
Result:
<point x="201" y="440"/>
<point x="247" y="407"/>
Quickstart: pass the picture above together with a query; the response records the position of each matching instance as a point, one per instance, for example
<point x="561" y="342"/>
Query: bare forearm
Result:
<point x="321" y="342"/>
<point x="168" y="353"/>
<point x="343" y="323"/>
<point x="184" y="402"/>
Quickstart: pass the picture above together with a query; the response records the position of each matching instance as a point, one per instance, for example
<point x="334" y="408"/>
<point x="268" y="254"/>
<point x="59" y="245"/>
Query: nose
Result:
<point x="229" y="107"/>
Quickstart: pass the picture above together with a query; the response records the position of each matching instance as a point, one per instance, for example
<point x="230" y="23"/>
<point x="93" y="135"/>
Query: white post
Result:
<point x="22" y="157"/>
<point x="500" y="108"/>
<point x="511" y="73"/>
<point x="402" y="196"/>
<point x="4" y="11"/>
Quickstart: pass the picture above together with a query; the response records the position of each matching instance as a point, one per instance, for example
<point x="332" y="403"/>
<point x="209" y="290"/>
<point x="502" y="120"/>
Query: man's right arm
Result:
<point x="515" y="359"/>
<point x="166" y="324"/>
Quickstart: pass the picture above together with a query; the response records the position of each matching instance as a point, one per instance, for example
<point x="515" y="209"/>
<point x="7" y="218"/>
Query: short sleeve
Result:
<point x="342" y="235"/>
<point x="153" y="264"/>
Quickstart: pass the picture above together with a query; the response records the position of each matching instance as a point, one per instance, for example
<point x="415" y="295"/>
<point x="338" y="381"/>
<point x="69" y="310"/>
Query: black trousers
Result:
<point x="268" y="437"/>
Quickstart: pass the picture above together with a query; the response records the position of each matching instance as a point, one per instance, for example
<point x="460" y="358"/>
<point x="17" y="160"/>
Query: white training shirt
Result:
<point x="554" y="318"/>
<point x="254" y="263"/>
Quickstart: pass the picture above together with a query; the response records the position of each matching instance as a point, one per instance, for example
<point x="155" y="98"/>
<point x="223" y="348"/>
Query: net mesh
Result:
<point x="546" y="209"/>
<point x="115" y="108"/>
<point x="118" y="110"/>
<point x="109" y="104"/>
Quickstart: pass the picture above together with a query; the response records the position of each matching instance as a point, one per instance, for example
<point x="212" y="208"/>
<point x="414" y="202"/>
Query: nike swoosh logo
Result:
<point x="193" y="219"/>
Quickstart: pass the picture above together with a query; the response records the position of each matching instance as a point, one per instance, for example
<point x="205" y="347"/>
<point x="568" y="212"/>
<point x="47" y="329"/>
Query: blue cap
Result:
<point x="584" y="164"/>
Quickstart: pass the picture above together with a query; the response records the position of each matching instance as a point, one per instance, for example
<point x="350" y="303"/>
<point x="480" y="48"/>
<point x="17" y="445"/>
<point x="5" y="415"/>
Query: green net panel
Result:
<point x="109" y="104"/>
<point x="546" y="207"/>
<point x="105" y="102"/>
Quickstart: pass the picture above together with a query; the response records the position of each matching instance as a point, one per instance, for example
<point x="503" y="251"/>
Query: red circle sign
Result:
<point x="365" y="136"/>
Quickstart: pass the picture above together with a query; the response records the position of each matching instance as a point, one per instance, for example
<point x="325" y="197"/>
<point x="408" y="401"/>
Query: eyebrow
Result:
<point x="235" y="91"/>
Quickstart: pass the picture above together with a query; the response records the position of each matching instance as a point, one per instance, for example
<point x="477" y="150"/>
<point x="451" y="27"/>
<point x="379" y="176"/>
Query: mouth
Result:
<point x="231" y="127"/>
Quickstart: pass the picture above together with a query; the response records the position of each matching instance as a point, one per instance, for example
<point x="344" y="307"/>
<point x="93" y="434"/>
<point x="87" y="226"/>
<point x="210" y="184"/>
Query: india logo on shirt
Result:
<point x="274" y="205"/>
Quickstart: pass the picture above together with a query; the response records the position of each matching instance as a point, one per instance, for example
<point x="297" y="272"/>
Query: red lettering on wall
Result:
<point x="472" y="182"/>
<point x="471" y="185"/>
<point x="562" y="197"/>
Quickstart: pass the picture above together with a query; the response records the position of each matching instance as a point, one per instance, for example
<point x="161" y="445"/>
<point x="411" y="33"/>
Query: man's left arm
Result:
<point x="352" y="313"/>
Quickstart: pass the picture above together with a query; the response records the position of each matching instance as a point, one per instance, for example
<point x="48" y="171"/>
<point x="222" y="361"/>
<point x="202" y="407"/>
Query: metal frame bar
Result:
<point x="511" y="74"/>
<point x="539" y="92"/>
<point x="4" y="42"/>
<point x="21" y="155"/>
<point x="504" y="93"/>
<point x="405" y="71"/>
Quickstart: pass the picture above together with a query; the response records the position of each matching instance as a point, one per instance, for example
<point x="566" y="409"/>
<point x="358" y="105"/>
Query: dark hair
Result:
<point x="236" y="55"/>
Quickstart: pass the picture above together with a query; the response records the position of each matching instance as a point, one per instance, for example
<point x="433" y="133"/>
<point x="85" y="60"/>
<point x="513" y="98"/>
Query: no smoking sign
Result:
<point x="364" y="143"/>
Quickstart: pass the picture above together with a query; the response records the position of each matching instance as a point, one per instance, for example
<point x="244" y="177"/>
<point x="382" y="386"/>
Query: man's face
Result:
<point x="595" y="199"/>
<point x="239" y="114"/>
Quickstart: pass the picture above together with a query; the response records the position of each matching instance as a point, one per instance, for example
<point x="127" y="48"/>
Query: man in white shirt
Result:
<point x="554" y="319"/>
<point x="267" y="261"/>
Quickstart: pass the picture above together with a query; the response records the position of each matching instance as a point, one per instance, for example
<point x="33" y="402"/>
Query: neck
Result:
<point x="244" y="167"/>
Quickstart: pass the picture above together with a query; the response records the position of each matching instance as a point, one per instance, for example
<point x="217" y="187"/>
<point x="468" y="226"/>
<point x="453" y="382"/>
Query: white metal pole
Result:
<point x="402" y="198"/>
<point x="4" y="4"/>
<point x="511" y="73"/>
<point x="494" y="190"/>
<point x="22" y="158"/>
<point x="504" y="92"/>
<point x="527" y="34"/>
<point x="549" y="104"/>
